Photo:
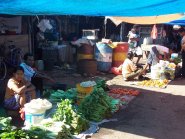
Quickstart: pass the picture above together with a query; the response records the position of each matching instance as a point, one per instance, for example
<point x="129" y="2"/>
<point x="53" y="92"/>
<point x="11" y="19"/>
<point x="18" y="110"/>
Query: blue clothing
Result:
<point x="153" y="56"/>
<point x="28" y="71"/>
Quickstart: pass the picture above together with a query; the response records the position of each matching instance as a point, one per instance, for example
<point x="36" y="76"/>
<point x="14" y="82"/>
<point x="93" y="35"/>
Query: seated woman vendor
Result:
<point x="33" y="75"/>
<point x="129" y="69"/>
<point x="18" y="91"/>
<point x="157" y="53"/>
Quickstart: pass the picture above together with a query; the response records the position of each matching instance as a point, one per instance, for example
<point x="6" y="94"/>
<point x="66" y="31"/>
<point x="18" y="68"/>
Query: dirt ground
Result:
<point x="155" y="113"/>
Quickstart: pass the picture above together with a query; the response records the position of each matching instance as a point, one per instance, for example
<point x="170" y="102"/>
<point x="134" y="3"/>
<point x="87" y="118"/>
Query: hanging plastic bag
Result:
<point x="44" y="25"/>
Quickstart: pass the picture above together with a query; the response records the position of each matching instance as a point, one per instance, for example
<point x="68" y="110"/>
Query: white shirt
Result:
<point x="28" y="71"/>
<point x="128" y="67"/>
<point x="162" y="49"/>
<point x="132" y="35"/>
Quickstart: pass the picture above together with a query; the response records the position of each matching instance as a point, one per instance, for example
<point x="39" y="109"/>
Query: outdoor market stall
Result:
<point x="72" y="112"/>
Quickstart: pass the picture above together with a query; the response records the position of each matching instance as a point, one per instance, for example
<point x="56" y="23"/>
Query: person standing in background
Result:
<point x="133" y="39"/>
<point x="182" y="34"/>
<point x="157" y="53"/>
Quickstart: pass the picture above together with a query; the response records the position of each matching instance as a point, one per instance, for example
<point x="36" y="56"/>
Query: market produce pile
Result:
<point x="102" y="84"/>
<point x="98" y="105"/>
<point x="154" y="83"/>
<point x="35" y="132"/>
<point x="58" y="130"/>
<point x="172" y="65"/>
<point x="66" y="117"/>
<point x="123" y="91"/>
<point x="177" y="60"/>
<point x="58" y="95"/>
<point x="66" y="113"/>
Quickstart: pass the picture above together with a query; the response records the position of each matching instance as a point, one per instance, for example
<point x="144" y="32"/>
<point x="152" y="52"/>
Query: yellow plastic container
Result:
<point x="84" y="90"/>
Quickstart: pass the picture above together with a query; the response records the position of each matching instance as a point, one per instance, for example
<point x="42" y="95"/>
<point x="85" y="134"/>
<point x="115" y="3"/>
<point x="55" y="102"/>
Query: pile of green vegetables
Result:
<point x="40" y="133"/>
<point x="66" y="113"/>
<point x="101" y="84"/>
<point x="58" y="95"/>
<point x="98" y="105"/>
<point x="9" y="132"/>
<point x="177" y="60"/>
<point x="5" y="124"/>
<point x="64" y="134"/>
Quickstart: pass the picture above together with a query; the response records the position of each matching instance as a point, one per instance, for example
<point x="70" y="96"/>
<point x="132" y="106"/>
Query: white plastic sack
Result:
<point x="37" y="105"/>
<point x="139" y="51"/>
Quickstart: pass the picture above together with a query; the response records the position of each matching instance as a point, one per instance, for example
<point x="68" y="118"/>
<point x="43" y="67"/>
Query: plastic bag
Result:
<point x="139" y="51"/>
<point x="44" y="25"/>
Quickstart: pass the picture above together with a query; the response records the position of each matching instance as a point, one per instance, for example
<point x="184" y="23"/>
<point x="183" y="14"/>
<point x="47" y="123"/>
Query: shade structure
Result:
<point x="180" y="21"/>
<point x="146" y="20"/>
<point x="92" y="7"/>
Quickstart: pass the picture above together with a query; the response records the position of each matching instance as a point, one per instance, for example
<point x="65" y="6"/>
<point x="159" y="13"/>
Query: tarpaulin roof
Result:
<point x="145" y="19"/>
<point x="180" y="21"/>
<point x="92" y="7"/>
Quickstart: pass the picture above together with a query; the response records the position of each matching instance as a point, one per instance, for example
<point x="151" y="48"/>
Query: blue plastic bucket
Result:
<point x="33" y="118"/>
<point x="103" y="55"/>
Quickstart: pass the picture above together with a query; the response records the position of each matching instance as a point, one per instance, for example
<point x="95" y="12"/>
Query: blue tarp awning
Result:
<point x="92" y="7"/>
<point x="180" y="21"/>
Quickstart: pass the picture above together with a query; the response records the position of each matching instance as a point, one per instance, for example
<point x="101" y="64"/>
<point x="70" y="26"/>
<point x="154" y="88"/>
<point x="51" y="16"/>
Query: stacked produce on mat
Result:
<point x="58" y="95"/>
<point x="97" y="105"/>
<point x="124" y="91"/>
<point x="34" y="132"/>
<point x="154" y="83"/>
<point x="66" y="113"/>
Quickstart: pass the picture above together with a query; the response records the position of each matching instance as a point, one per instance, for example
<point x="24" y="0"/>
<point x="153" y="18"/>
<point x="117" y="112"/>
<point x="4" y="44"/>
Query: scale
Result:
<point x="90" y="34"/>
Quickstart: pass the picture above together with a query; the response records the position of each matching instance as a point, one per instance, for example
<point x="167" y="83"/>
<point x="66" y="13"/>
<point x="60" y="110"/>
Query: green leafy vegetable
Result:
<point x="15" y="134"/>
<point x="56" y="96"/>
<point x="40" y="133"/>
<point x="64" y="134"/>
<point x="96" y="106"/>
<point x="5" y="123"/>
<point x="66" y="113"/>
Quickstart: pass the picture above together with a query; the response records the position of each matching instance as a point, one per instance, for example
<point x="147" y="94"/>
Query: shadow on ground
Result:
<point x="178" y="81"/>
<point x="150" y="115"/>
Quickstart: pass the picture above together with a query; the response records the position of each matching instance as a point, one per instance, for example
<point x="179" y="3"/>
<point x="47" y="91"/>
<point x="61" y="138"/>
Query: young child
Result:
<point x="18" y="91"/>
